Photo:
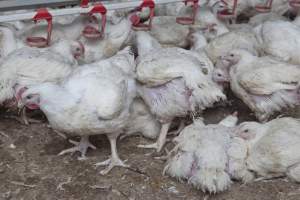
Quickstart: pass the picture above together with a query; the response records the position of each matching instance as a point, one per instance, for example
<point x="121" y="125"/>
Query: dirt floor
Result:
<point x="31" y="170"/>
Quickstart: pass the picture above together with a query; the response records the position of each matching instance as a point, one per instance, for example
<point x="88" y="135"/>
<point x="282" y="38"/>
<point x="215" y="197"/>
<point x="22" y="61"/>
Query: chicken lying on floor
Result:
<point x="266" y="85"/>
<point x="95" y="99"/>
<point x="269" y="150"/>
<point x="201" y="155"/>
<point x="161" y="28"/>
<point x="280" y="39"/>
<point x="222" y="44"/>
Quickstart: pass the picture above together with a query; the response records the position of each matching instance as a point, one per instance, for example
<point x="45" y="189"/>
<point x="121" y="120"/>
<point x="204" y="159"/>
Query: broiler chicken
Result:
<point x="212" y="27"/>
<point x="95" y="99"/>
<point x="200" y="155"/>
<point x="264" y="17"/>
<point x="269" y="150"/>
<point x="29" y="66"/>
<point x="174" y="82"/>
<point x="280" y="39"/>
<point x="264" y="84"/>
<point x="224" y="43"/>
<point x="197" y="41"/>
<point x="115" y="37"/>
<point x="161" y="28"/>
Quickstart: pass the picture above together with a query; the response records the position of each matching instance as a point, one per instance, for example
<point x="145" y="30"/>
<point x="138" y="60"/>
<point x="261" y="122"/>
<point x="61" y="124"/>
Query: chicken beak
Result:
<point x="225" y="58"/>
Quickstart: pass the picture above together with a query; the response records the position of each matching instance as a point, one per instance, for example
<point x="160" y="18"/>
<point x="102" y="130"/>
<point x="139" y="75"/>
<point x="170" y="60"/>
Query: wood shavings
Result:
<point x="60" y="186"/>
<point x="22" y="184"/>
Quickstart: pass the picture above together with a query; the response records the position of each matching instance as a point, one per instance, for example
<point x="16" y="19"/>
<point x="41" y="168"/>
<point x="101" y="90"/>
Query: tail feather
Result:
<point x="7" y="82"/>
<point x="211" y="180"/>
<point x="206" y="96"/>
<point x="180" y="165"/>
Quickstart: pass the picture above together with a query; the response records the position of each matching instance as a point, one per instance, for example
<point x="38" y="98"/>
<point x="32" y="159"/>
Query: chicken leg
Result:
<point x="179" y="129"/>
<point x="158" y="145"/>
<point x="114" y="160"/>
<point x="81" y="146"/>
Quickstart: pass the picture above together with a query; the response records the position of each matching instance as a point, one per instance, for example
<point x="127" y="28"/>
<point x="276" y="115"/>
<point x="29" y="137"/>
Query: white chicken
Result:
<point x="280" y="39"/>
<point x="29" y="66"/>
<point x="174" y="82"/>
<point x="268" y="150"/>
<point x="197" y="41"/>
<point x="279" y="7"/>
<point x="204" y="20"/>
<point x="162" y="26"/>
<point x="200" y="155"/>
<point x="95" y="99"/>
<point x="224" y="43"/>
<point x="115" y="37"/>
<point x="264" y="84"/>
<point x="212" y="27"/>
<point x="264" y="17"/>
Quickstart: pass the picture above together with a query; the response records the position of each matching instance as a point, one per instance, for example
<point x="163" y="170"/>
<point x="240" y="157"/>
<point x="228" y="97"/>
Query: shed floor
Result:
<point x="31" y="170"/>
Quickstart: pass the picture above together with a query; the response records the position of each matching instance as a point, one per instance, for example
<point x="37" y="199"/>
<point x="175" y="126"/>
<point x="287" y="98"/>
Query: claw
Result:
<point x="114" y="160"/>
<point x="81" y="146"/>
<point x="111" y="162"/>
<point x="165" y="157"/>
<point x="148" y="146"/>
<point x="103" y="163"/>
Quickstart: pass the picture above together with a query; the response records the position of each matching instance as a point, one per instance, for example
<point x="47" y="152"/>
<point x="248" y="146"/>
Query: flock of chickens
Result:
<point x="130" y="82"/>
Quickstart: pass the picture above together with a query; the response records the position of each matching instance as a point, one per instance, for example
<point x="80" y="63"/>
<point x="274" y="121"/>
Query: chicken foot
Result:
<point x="81" y="146"/>
<point x="158" y="145"/>
<point x="114" y="160"/>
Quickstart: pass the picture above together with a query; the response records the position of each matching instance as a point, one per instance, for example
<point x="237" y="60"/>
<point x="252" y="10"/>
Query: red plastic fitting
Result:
<point x="40" y="42"/>
<point x="189" y="20"/>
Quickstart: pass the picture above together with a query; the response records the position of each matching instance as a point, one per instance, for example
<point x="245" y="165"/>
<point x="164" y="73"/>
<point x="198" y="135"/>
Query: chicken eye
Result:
<point x="231" y="55"/>
<point x="29" y="96"/>
<point x="246" y="131"/>
<point x="205" y="71"/>
<point x="77" y="49"/>
<point x="219" y="75"/>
